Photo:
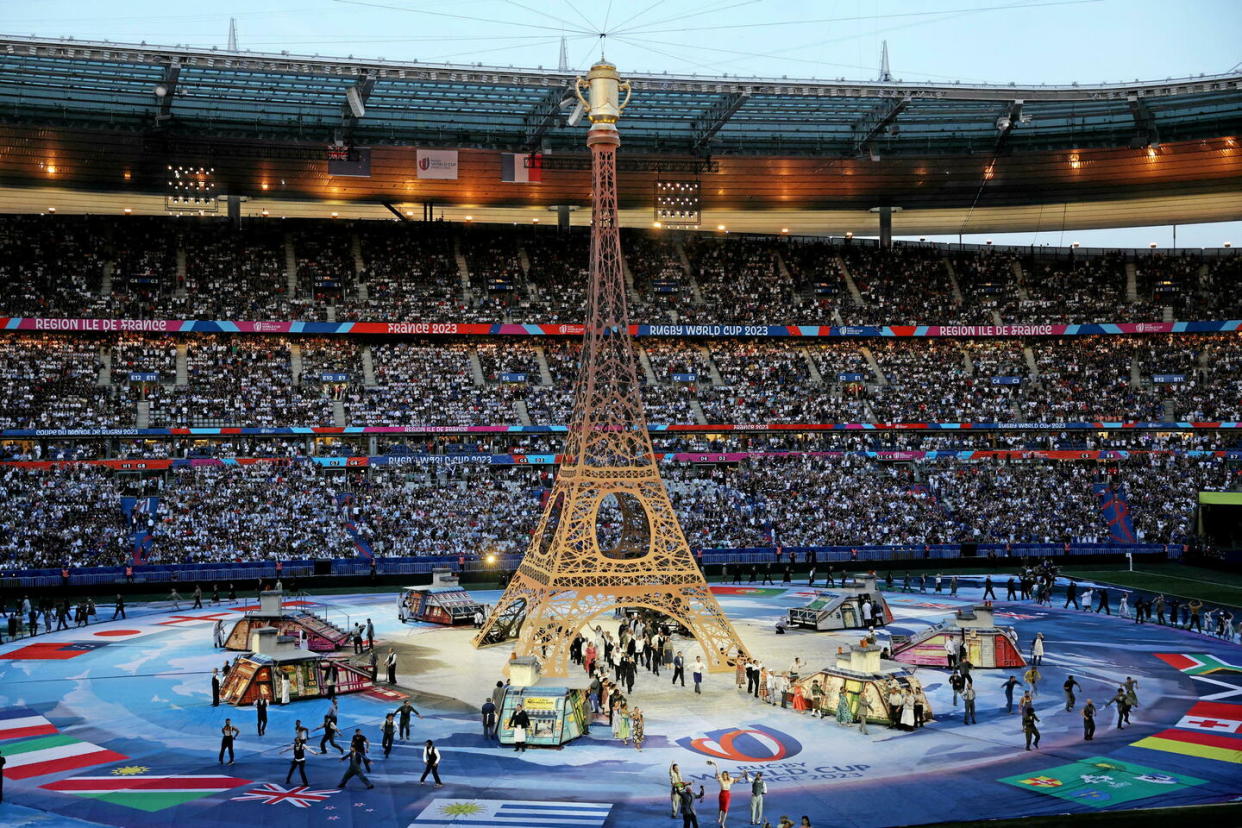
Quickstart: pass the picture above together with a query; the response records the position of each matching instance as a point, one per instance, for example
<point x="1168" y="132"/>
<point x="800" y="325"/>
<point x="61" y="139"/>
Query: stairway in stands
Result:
<point x="344" y="500"/>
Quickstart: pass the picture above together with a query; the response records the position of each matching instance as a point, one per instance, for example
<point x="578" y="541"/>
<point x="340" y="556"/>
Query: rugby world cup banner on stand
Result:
<point x="75" y="325"/>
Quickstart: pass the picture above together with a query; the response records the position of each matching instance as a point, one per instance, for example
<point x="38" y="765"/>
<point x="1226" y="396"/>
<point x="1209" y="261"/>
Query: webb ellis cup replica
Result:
<point x="608" y="483"/>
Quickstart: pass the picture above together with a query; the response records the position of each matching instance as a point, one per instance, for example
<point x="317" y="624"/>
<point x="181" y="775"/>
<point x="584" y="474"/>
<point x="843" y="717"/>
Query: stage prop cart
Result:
<point x="861" y="673"/>
<point x="979" y="640"/>
<point x="317" y="633"/>
<point x="276" y="659"/>
<point x="443" y="601"/>
<point x="557" y="714"/>
<point x="842" y="608"/>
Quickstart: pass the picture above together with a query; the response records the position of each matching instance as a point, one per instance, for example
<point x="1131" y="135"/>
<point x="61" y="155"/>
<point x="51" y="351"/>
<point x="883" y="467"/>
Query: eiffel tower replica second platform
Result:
<point x="608" y="536"/>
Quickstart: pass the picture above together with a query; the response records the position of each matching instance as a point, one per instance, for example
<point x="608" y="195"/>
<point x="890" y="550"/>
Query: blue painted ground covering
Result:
<point x="146" y="697"/>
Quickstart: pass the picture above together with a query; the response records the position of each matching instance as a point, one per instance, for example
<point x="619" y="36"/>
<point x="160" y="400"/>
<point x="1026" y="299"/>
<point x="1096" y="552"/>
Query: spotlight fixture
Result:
<point x="191" y="188"/>
<point x="678" y="203"/>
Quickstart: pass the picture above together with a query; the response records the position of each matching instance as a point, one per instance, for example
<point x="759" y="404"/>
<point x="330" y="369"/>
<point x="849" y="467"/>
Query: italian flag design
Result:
<point x="146" y="792"/>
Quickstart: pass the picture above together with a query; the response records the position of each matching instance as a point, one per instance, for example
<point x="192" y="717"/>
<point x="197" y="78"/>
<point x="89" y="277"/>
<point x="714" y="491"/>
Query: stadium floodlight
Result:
<point x="576" y="115"/>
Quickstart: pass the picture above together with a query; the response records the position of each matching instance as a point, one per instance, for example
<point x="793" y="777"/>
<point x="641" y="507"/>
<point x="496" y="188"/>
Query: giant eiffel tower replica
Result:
<point x="608" y="478"/>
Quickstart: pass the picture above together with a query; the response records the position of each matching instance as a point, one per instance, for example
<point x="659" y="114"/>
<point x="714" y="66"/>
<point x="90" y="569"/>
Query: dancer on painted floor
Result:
<point x="355" y="759"/>
<point x="431" y="764"/>
<point x="1030" y="728"/>
<point x="388" y="731"/>
<point x="726" y="782"/>
<point x="227" y="734"/>
<point x="1037" y="650"/>
<point x="1068" y="687"/>
<point x="298" y="762"/>
<point x="1088" y="721"/>
<point x="687" y="796"/>
<point x="758" y="788"/>
<point x="1032" y="677"/>
<point x="330" y="730"/>
<point x="403" y="719"/>
<point x="698" y="673"/>
<point x="674" y="783"/>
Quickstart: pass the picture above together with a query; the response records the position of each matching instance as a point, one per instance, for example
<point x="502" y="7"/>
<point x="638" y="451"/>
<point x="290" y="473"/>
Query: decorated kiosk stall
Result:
<point x="557" y="714"/>
<point x="317" y="633"/>
<point x="275" y="659"/>
<point x="979" y="639"/>
<point x="842" y="608"/>
<point x="443" y="601"/>
<point x="860" y="672"/>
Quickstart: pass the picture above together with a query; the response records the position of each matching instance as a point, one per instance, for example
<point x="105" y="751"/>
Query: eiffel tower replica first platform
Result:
<point x="608" y="536"/>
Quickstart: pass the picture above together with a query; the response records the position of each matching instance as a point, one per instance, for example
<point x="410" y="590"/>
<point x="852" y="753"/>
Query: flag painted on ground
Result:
<point x="757" y="592"/>
<point x="53" y="651"/>
<point x="272" y="794"/>
<point x="513" y="813"/>
<point x="1100" y="782"/>
<point x="521" y="168"/>
<point x="1213" y="717"/>
<point x="22" y="723"/>
<point x="1206" y="737"/>
<point x="143" y="792"/>
<point x="1198" y="664"/>
<point x="53" y="754"/>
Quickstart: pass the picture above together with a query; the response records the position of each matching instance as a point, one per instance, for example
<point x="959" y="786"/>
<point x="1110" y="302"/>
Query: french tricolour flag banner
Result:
<point x="513" y="813"/>
<point x="520" y="168"/>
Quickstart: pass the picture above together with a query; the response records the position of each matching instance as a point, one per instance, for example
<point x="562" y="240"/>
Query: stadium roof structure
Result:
<point x="757" y="144"/>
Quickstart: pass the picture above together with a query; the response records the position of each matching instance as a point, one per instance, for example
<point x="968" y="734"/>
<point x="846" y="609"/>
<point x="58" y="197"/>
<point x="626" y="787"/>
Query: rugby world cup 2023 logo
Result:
<point x="754" y="743"/>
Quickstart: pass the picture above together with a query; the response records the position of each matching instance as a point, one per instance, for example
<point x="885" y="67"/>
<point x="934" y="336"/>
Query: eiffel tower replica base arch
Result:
<point x="608" y="537"/>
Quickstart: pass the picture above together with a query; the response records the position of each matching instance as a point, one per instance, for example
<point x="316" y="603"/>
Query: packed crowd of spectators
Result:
<point x="60" y="381"/>
<point x="662" y="292"/>
<point x="559" y="266"/>
<point x="818" y="282"/>
<point x="248" y="513"/>
<point x="410" y="272"/>
<point x="423" y="382"/>
<point x="326" y="267"/>
<point x="182" y="267"/>
<point x="71" y="515"/>
<point x="50" y="381"/>
<point x="49" y="265"/>
<point x="235" y="381"/>
<point x="901" y="286"/>
<point x="296" y="509"/>
<point x="739" y="279"/>
<point x="238" y="274"/>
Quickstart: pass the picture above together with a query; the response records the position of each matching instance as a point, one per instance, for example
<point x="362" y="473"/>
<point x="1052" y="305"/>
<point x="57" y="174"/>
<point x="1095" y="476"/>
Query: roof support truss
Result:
<point x="172" y="71"/>
<point x="1008" y="118"/>
<point x="543" y="116"/>
<point x="881" y="116"/>
<point x="363" y="88"/>
<point x="1145" y="130"/>
<point x="711" y="120"/>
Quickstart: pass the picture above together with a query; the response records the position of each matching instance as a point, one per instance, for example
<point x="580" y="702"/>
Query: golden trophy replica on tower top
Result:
<point x="608" y="537"/>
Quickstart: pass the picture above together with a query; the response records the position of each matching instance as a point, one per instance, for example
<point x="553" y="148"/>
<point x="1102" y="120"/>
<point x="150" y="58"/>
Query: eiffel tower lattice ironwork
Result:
<point x="608" y="536"/>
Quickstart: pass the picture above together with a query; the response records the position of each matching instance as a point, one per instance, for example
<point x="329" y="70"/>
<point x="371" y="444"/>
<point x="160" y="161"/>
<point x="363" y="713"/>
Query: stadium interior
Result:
<point x="271" y="315"/>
